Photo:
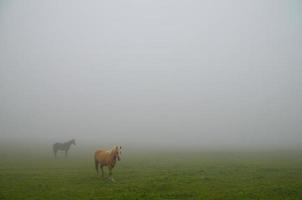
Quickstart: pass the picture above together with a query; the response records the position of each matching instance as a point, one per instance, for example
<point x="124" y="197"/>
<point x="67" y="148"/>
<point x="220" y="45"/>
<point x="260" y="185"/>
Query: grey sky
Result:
<point x="162" y="71"/>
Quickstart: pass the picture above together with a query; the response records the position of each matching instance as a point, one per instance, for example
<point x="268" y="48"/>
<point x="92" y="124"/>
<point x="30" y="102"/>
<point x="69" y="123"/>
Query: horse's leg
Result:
<point x="102" y="171"/>
<point x="54" y="151"/>
<point x="110" y="174"/>
<point x="96" y="167"/>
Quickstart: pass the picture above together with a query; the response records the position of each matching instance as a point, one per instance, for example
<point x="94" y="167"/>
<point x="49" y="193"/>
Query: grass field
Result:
<point x="154" y="175"/>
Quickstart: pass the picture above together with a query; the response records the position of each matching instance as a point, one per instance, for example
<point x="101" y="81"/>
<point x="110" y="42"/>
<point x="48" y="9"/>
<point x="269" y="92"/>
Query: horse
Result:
<point x="63" y="147"/>
<point x="107" y="158"/>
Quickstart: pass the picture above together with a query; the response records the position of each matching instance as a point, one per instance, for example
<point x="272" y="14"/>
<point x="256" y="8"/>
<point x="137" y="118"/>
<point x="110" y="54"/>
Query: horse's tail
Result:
<point x="96" y="162"/>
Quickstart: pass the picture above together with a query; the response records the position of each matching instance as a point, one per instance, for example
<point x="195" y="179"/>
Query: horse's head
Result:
<point x="73" y="142"/>
<point x="117" y="152"/>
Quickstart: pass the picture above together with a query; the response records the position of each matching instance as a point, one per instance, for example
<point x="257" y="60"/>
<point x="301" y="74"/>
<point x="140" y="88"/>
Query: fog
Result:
<point x="160" y="73"/>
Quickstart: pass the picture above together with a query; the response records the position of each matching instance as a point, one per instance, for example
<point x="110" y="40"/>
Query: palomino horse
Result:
<point x="62" y="147"/>
<point x="107" y="158"/>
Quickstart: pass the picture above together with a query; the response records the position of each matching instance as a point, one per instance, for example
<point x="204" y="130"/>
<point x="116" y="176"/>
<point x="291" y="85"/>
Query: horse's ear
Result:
<point x="120" y="147"/>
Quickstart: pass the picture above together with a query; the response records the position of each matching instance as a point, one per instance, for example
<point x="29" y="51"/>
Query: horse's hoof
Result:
<point x="109" y="179"/>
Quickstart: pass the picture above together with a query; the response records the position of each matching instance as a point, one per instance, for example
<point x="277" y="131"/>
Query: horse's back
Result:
<point x="101" y="155"/>
<point x="58" y="146"/>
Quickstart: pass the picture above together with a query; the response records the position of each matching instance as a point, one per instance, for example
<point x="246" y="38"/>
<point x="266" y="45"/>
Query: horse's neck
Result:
<point x="68" y="143"/>
<point x="113" y="156"/>
<point x="112" y="153"/>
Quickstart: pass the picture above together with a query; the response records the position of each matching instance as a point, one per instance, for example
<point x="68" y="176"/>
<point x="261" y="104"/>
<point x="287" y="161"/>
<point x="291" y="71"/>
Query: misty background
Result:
<point x="157" y="72"/>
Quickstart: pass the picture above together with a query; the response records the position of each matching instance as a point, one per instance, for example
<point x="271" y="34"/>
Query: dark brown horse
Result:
<point x="62" y="147"/>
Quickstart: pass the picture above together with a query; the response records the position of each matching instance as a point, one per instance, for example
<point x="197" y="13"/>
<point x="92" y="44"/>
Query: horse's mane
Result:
<point x="114" y="149"/>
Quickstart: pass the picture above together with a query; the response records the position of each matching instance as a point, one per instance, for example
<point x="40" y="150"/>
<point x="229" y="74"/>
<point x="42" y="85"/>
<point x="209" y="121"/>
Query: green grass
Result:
<point x="154" y="175"/>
